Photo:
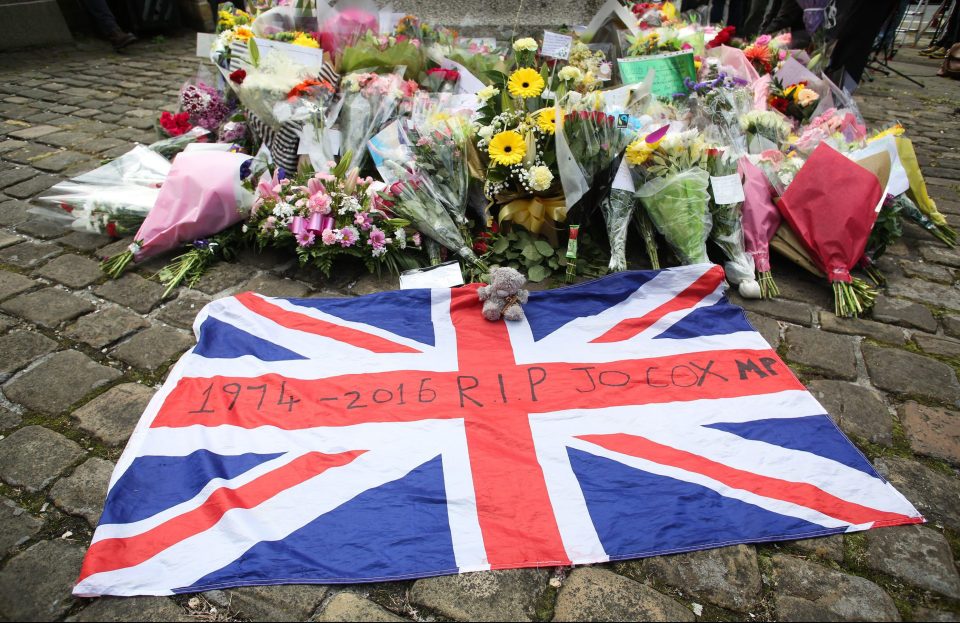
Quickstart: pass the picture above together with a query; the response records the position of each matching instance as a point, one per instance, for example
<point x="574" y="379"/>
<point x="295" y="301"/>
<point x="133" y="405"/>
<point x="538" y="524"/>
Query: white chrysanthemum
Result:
<point x="570" y="73"/>
<point x="540" y="178"/>
<point x="487" y="92"/>
<point x="485" y="132"/>
<point x="527" y="43"/>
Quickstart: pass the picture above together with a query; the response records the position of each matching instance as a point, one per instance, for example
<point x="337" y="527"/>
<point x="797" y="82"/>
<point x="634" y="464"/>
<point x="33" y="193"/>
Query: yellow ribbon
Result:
<point x="534" y="212"/>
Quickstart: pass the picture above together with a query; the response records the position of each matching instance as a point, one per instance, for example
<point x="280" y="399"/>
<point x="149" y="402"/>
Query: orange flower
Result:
<point x="305" y="87"/>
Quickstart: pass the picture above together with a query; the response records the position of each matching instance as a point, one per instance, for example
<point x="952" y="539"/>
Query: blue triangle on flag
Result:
<point x="675" y="515"/>
<point x="815" y="434"/>
<point x="393" y="531"/>
<point x="404" y="312"/>
<point x="155" y="483"/>
<point x="721" y="318"/>
<point x="220" y="340"/>
<point x="547" y="311"/>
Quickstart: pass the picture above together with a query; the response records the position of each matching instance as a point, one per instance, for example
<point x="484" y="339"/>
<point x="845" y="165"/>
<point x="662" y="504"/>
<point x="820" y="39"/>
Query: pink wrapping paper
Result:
<point x="734" y="62"/>
<point x="200" y="197"/>
<point x="831" y="205"/>
<point x="760" y="216"/>
<point x="346" y="26"/>
<point x="761" y="91"/>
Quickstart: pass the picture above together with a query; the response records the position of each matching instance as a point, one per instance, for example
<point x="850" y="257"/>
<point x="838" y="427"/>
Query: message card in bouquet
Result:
<point x="670" y="70"/>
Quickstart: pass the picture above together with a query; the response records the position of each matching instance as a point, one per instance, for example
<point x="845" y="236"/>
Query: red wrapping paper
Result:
<point x="831" y="205"/>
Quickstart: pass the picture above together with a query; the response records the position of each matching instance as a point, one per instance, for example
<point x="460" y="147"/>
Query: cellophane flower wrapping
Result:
<point x="268" y="84"/>
<point x="588" y="142"/>
<point x="617" y="209"/>
<point x="727" y="230"/>
<point x="438" y="135"/>
<point x="370" y="101"/>
<point x="170" y="147"/>
<point x="831" y="205"/>
<point x="760" y="220"/>
<point x="678" y="205"/>
<point x="201" y="196"/>
<point x="113" y="199"/>
<point x="765" y="130"/>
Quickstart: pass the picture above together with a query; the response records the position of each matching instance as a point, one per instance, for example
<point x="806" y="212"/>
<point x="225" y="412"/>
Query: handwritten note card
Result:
<point x="670" y="69"/>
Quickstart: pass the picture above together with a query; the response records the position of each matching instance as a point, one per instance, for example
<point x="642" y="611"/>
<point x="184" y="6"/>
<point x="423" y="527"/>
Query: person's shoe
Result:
<point x="121" y="39"/>
<point x="939" y="54"/>
<point x="927" y="51"/>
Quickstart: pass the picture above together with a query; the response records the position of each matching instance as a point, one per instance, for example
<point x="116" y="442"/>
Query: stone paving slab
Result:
<point x="81" y="355"/>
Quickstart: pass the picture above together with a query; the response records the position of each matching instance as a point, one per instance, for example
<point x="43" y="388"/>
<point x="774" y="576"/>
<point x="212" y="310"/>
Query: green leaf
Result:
<point x="537" y="273"/>
<point x="500" y="245"/>
<point x="531" y="253"/>
<point x="544" y="248"/>
<point x="254" y="52"/>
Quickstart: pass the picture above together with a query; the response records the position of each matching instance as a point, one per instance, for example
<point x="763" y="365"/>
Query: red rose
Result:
<point x="480" y="246"/>
<point x="238" y="76"/>
<point x="112" y="230"/>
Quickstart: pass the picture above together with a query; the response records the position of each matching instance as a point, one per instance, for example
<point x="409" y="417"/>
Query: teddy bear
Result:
<point x="505" y="295"/>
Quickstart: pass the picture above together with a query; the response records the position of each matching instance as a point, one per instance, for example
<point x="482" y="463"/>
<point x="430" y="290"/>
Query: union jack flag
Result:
<point x="401" y="435"/>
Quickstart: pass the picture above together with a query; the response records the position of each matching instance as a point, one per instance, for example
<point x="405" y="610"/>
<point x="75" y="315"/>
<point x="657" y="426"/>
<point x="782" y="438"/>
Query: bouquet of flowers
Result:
<point x="322" y="216"/>
<point x="515" y="130"/>
<point x="765" y="130"/>
<point x="653" y="14"/>
<point x="831" y="205"/>
<point x="919" y="196"/>
<point x="657" y="41"/>
<point x="385" y="52"/>
<point x="887" y="230"/>
<point x="670" y="169"/>
<point x="766" y="52"/>
<point x="841" y="127"/>
<point x="204" y="104"/>
<point x="438" y="136"/>
<point x="201" y="196"/>
<point x="370" y="101"/>
<point x="760" y="220"/>
<point x="113" y="199"/>
<point x="795" y="101"/>
<point x="727" y="230"/>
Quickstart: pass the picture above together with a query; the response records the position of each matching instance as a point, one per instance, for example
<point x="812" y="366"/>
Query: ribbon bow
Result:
<point x="535" y="212"/>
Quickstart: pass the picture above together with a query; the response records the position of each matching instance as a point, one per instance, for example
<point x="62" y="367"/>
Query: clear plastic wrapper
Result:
<point x="113" y="199"/>
<point x="290" y="18"/>
<point x="201" y="196"/>
<point x="370" y="100"/>
<point x="727" y="233"/>
<point x="170" y="147"/>
<point x="617" y="209"/>
<point x="678" y="206"/>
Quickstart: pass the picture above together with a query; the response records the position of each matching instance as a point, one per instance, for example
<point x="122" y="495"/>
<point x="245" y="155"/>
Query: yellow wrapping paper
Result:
<point x="918" y="188"/>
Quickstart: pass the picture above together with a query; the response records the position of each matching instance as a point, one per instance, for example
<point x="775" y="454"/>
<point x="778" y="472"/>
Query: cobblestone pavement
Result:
<point x="80" y="356"/>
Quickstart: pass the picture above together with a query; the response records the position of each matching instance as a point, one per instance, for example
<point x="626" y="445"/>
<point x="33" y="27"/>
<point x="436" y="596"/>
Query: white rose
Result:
<point x="486" y="132"/>
<point x="540" y="178"/>
<point x="487" y="92"/>
<point x="570" y="73"/>
<point x="527" y="43"/>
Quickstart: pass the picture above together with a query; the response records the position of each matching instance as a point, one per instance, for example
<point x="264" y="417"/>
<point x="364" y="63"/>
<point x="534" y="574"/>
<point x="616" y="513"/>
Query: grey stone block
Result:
<point x="917" y="555"/>
<point x="294" y="602"/>
<point x="507" y="595"/>
<point x="595" y="594"/>
<point x="904" y="313"/>
<point x="12" y="283"/>
<point x="105" y="327"/>
<point x="49" y="307"/>
<point x="71" y="270"/>
<point x="19" y="348"/>
<point x="350" y="607"/>
<point x="16" y="526"/>
<point x="728" y="577"/>
<point x="833" y="354"/>
<point x="58" y="382"/>
<point x="907" y="373"/>
<point x="53" y="567"/>
<point x="153" y="347"/>
<point x="934" y="493"/>
<point x="33" y="456"/>
<point x="123" y="609"/>
<point x="132" y="291"/>
<point x="857" y="410"/>
<point x="113" y="415"/>
<point x="29" y="254"/>
<point x="83" y="492"/>
<point x="805" y="591"/>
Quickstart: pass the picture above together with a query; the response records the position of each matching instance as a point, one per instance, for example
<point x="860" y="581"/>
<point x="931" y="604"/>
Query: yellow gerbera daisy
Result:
<point x="525" y="82"/>
<point x="547" y="120"/>
<point x="507" y="148"/>
<point x="305" y="40"/>
<point x="243" y="33"/>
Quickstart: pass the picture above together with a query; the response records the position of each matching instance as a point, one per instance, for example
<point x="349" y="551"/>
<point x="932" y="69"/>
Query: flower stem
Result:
<point x="768" y="287"/>
<point x="116" y="265"/>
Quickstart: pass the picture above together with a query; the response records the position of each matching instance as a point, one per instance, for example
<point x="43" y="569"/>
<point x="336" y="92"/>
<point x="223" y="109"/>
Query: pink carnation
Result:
<point x="329" y="237"/>
<point x="319" y="202"/>
<point x="306" y="239"/>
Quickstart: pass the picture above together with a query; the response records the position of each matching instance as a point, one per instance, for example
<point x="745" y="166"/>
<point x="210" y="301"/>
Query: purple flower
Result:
<point x="306" y="239"/>
<point x="349" y="236"/>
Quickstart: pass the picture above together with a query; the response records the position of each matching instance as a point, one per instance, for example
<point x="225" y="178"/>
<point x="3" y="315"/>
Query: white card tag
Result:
<point x="446" y="275"/>
<point x="623" y="180"/>
<point x="727" y="189"/>
<point x="205" y="42"/>
<point x="556" y="45"/>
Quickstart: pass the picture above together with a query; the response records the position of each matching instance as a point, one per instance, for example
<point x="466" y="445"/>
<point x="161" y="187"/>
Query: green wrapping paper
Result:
<point x="678" y="205"/>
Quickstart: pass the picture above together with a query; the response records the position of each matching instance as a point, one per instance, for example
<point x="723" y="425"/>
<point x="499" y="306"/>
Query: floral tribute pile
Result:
<point x="378" y="137"/>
